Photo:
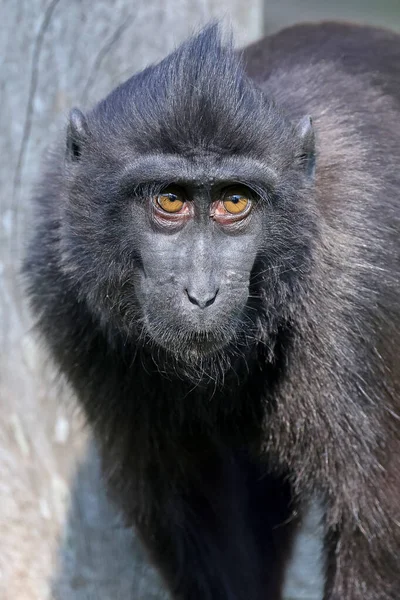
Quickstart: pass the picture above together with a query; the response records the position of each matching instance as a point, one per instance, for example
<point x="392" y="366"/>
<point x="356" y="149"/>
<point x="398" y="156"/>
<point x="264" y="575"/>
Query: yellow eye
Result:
<point x="236" y="203"/>
<point x="170" y="202"/>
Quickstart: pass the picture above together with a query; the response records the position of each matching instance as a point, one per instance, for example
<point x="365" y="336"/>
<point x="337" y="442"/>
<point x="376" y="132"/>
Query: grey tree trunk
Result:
<point x="60" y="537"/>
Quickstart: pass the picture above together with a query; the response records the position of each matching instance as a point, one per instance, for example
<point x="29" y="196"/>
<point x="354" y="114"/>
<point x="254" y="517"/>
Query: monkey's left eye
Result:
<point x="235" y="204"/>
<point x="170" y="202"/>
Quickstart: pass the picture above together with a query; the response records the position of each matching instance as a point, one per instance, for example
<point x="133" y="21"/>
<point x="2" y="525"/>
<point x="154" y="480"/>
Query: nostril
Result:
<point x="211" y="300"/>
<point x="201" y="300"/>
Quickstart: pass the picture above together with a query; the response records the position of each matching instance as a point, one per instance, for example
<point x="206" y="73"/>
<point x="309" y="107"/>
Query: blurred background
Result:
<point x="60" y="537"/>
<point x="280" y="13"/>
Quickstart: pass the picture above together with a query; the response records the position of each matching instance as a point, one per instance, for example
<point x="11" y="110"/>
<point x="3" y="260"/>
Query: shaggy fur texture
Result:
<point x="211" y="455"/>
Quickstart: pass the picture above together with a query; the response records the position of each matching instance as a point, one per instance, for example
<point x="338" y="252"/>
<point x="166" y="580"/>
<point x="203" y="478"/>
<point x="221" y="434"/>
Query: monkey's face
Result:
<point x="198" y="245"/>
<point x="189" y="264"/>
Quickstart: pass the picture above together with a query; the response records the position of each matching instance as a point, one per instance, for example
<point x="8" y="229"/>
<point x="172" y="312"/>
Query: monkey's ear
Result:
<point x="77" y="134"/>
<point x="305" y="131"/>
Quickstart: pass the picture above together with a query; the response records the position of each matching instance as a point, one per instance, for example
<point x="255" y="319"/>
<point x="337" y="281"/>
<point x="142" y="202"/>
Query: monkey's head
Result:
<point x="185" y="218"/>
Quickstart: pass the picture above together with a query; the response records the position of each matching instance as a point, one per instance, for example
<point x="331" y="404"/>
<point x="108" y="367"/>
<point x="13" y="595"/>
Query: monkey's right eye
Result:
<point x="170" y="202"/>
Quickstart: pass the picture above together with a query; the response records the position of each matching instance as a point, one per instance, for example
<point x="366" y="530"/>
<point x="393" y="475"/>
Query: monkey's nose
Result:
<point x="201" y="299"/>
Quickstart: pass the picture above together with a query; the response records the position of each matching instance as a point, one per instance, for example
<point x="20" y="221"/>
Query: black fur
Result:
<point x="211" y="454"/>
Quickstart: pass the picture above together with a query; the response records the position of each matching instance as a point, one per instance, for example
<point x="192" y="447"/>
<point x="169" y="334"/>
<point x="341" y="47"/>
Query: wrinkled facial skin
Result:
<point x="196" y="264"/>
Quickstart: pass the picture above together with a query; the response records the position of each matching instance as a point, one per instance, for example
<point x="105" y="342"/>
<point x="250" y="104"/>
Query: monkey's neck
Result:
<point x="156" y="413"/>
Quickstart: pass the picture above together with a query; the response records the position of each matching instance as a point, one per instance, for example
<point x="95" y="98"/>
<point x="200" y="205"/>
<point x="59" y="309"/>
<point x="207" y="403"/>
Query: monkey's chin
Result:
<point x="204" y="348"/>
<point x="200" y="357"/>
<point x="200" y="361"/>
<point x="193" y="346"/>
<point x="199" y="346"/>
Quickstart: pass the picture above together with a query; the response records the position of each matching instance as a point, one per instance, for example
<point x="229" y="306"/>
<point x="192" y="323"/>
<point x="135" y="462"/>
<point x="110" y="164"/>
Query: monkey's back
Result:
<point x="347" y="78"/>
<point x="354" y="49"/>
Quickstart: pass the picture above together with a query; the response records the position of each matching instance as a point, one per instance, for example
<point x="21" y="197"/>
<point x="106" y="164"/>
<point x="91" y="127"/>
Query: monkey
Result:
<point x="214" y="267"/>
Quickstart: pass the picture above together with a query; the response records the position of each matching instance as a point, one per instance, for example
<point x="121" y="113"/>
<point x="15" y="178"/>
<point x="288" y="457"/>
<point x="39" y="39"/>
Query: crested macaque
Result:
<point x="215" y="269"/>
